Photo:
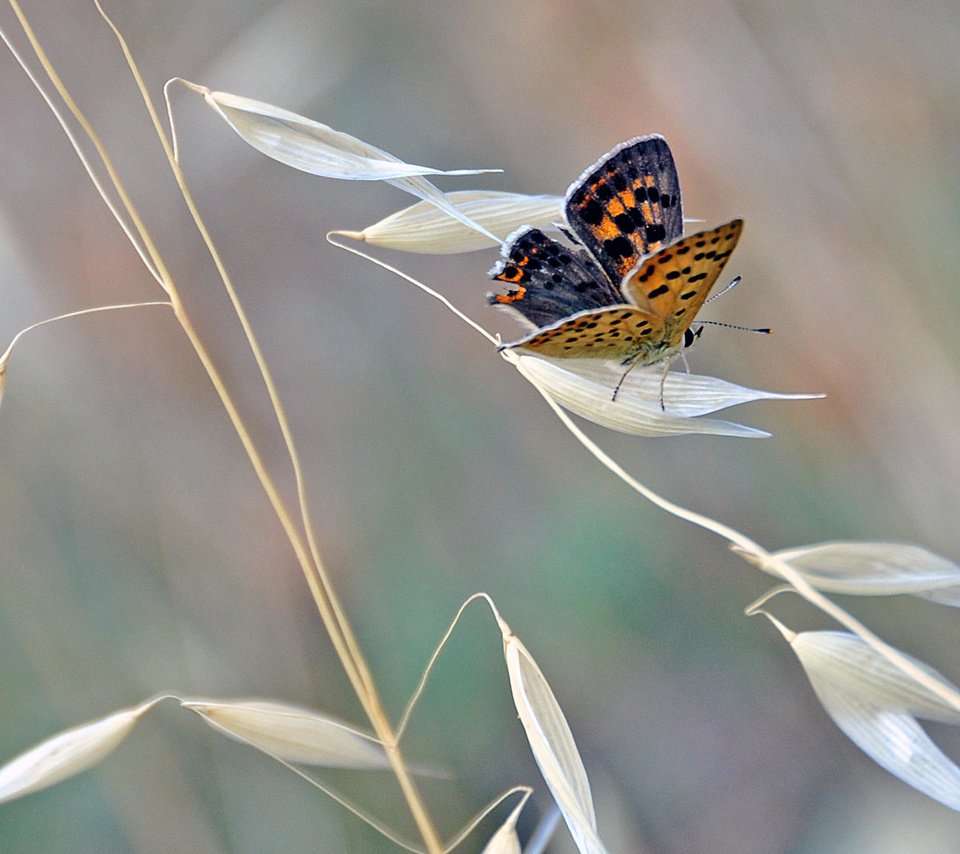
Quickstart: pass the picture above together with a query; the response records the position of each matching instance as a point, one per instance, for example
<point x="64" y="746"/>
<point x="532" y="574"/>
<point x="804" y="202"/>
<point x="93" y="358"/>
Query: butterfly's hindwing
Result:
<point x="617" y="332"/>
<point x="551" y="281"/>
<point x="627" y="205"/>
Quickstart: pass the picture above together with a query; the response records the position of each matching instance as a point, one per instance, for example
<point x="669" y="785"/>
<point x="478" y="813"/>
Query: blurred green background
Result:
<point x="138" y="553"/>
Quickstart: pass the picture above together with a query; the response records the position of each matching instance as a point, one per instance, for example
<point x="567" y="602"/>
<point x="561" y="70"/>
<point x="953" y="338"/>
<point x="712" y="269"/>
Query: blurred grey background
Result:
<point x="138" y="553"/>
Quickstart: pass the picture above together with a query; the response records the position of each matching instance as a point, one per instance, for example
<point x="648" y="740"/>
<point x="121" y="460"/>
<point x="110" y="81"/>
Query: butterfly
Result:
<point x="627" y="285"/>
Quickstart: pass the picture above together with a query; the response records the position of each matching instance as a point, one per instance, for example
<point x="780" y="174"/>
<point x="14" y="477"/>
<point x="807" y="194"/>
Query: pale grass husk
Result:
<point x="637" y="410"/>
<point x="313" y="147"/>
<point x="292" y="733"/>
<point x="424" y="229"/>
<point x="505" y="839"/>
<point x="68" y="753"/>
<point x="875" y="569"/>
<point x="551" y="743"/>
<point x="877" y="705"/>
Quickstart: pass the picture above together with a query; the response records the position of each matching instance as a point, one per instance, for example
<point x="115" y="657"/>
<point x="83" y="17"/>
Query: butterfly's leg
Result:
<point x="630" y="366"/>
<point x="663" y="380"/>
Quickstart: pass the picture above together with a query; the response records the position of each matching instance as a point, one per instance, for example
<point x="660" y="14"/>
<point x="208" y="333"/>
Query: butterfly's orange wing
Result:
<point x="672" y="284"/>
<point x="616" y="332"/>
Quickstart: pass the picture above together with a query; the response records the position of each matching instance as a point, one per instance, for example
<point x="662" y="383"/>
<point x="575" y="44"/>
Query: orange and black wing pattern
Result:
<point x="666" y="291"/>
<point x="618" y="332"/>
<point x="549" y="280"/>
<point x="627" y="205"/>
<point x="673" y="283"/>
<point x="634" y="286"/>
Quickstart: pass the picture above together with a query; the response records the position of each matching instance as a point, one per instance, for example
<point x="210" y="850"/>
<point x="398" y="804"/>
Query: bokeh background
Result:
<point x="138" y="553"/>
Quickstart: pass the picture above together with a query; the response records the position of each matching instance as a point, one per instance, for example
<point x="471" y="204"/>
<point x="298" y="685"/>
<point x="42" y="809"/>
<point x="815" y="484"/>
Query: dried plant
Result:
<point x="875" y="693"/>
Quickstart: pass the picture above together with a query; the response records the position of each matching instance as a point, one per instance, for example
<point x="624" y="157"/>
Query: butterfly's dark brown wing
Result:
<point x="549" y="281"/>
<point x="627" y="205"/>
<point x="673" y="283"/>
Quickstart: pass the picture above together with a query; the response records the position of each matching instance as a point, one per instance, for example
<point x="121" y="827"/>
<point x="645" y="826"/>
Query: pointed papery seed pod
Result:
<point x="292" y="733"/>
<point x="69" y="753"/>
<point x="637" y="408"/>
<point x="313" y="147"/>
<point x="686" y="395"/>
<point x="552" y="744"/>
<point x="875" y="569"/>
<point x="876" y="705"/>
<point x="505" y="840"/>
<point x="316" y="148"/>
<point x="424" y="229"/>
<point x="853" y="665"/>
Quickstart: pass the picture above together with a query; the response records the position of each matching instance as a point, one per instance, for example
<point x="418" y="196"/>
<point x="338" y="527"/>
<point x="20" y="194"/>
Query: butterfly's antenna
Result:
<point x="729" y="287"/>
<point x="766" y="330"/>
<point x="719" y="294"/>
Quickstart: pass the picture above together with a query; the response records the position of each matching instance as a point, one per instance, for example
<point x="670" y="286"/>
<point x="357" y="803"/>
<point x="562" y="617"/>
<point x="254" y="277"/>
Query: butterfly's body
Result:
<point x="629" y="285"/>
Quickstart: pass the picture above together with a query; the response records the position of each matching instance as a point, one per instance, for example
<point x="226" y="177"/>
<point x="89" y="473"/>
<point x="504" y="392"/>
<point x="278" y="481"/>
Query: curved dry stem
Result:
<point x="756" y="606"/>
<point x="422" y="684"/>
<point x="328" y="604"/>
<point x="731" y="535"/>
<point x="734" y="537"/>
<point x="493" y="339"/>
<point x="332" y="614"/>
<point x="70" y="314"/>
<point x="330" y="792"/>
<point x="332" y="606"/>
<point x="84" y="161"/>
<point x="174" y="144"/>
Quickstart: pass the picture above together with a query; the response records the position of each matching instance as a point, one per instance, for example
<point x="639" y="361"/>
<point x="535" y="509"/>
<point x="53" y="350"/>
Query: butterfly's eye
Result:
<point x="689" y="336"/>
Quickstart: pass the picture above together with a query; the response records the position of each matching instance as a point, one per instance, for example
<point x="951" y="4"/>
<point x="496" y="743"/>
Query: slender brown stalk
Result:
<point x="306" y="553"/>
